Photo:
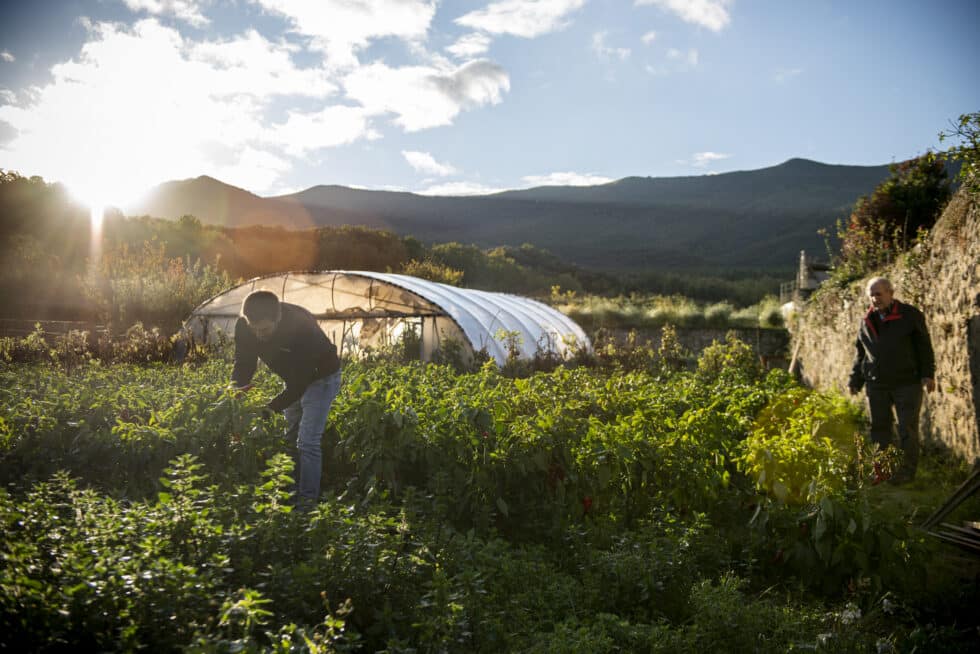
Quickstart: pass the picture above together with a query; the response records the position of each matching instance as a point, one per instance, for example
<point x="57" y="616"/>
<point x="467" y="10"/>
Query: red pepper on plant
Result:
<point x="879" y="474"/>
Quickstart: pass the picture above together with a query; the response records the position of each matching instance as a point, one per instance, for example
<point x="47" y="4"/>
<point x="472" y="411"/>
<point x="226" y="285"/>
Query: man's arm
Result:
<point x="925" y="357"/>
<point x="856" y="381"/>
<point x="295" y="387"/>
<point x="246" y="355"/>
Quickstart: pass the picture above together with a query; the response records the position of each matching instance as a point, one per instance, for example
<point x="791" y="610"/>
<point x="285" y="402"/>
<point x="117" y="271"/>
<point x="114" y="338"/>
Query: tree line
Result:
<point x="55" y="266"/>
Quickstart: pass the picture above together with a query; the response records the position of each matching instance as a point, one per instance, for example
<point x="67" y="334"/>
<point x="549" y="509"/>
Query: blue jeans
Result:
<point x="307" y="418"/>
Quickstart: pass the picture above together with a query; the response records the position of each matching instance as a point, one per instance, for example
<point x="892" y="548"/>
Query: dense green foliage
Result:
<point x="757" y="219"/>
<point x="57" y="267"/>
<point x="967" y="131"/>
<point x="899" y="212"/>
<point x="651" y="311"/>
<point x="581" y="510"/>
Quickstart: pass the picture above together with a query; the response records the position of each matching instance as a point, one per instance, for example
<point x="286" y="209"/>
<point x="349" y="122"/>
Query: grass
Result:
<point x="654" y="311"/>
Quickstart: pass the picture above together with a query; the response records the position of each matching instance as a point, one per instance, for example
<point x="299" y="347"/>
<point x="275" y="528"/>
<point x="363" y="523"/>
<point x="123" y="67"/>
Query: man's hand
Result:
<point x="929" y="384"/>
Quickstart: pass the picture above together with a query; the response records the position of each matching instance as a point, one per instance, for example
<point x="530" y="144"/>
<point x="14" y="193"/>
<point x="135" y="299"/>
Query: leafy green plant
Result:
<point x="889" y="221"/>
<point x="129" y="285"/>
<point x="580" y="509"/>
<point x="967" y="131"/>
<point x="638" y="311"/>
<point x="841" y="546"/>
<point x="801" y="447"/>
<point x="729" y="362"/>
<point x="433" y="271"/>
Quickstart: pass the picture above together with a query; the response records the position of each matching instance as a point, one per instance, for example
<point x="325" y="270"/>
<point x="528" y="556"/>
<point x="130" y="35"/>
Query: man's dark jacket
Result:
<point x="894" y="350"/>
<point x="298" y="351"/>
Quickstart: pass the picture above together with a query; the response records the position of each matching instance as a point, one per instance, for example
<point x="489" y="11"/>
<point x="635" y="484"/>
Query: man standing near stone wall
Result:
<point x="893" y="361"/>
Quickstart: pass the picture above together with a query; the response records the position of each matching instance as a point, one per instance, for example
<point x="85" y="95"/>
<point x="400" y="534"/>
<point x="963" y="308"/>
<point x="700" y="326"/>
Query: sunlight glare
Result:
<point x="97" y="214"/>
<point x="100" y="192"/>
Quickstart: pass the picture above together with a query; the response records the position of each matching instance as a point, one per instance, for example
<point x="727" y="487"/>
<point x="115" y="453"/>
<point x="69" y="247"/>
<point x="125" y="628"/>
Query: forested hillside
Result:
<point x="56" y="266"/>
<point x="748" y="219"/>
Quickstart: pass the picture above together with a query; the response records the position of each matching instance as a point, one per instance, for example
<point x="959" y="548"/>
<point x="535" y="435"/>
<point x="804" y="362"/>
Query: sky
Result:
<point x="111" y="97"/>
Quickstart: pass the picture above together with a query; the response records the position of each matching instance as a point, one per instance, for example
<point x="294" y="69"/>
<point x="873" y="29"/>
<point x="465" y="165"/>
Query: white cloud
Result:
<point x="460" y="188"/>
<point x="784" y="74"/>
<point x="145" y="94"/>
<point x="330" y="127"/>
<point x="240" y="107"/>
<point x="703" y="159"/>
<point x="606" y="52"/>
<point x="253" y="169"/>
<point x="712" y="14"/>
<point x="690" y="57"/>
<point x="342" y="27"/>
<point x="426" y="96"/>
<point x="6" y="56"/>
<point x="679" y="62"/>
<point x="649" y="37"/>
<point x="526" y="18"/>
<point x="470" y="45"/>
<point x="186" y="10"/>
<point x="424" y="162"/>
<point x="566" y="179"/>
<point x="254" y="64"/>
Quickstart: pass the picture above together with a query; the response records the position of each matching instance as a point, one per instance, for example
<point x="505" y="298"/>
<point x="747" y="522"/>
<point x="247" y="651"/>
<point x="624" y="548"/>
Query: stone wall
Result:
<point x="942" y="278"/>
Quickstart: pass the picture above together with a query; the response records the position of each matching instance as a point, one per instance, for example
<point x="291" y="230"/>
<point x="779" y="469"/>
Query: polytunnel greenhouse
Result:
<point x="362" y="311"/>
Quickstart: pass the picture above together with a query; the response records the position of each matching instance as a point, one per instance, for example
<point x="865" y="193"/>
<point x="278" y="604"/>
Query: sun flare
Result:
<point x="97" y="194"/>
<point x="96" y="216"/>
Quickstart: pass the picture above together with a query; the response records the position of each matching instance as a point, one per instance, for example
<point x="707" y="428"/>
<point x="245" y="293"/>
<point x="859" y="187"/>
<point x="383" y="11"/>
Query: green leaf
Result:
<point x="827" y="506"/>
<point x="820" y="528"/>
<point x="604" y="475"/>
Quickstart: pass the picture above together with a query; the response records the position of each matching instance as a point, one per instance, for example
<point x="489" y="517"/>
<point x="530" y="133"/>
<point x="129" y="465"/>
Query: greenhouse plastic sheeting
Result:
<point x="359" y="308"/>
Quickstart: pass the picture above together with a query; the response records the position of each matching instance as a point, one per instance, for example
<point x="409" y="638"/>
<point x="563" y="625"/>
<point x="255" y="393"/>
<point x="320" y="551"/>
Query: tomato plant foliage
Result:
<point x="575" y="510"/>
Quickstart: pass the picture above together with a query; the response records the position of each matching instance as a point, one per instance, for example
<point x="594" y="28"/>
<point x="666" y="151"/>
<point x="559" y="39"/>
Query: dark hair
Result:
<point x="260" y="305"/>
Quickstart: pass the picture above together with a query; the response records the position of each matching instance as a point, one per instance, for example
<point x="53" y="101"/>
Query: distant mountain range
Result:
<point x="748" y="219"/>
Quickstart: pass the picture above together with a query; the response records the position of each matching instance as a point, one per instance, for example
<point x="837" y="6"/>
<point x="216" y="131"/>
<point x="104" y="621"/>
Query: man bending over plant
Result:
<point x="288" y="339"/>
<point x="894" y="361"/>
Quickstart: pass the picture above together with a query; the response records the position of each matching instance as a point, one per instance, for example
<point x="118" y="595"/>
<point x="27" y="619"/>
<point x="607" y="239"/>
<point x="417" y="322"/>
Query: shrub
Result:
<point x="718" y="314"/>
<point x="731" y="361"/>
<point x="147" y="286"/>
<point x="891" y="219"/>
<point x="802" y="445"/>
<point x="433" y="271"/>
<point x="576" y="510"/>
<point x="967" y="130"/>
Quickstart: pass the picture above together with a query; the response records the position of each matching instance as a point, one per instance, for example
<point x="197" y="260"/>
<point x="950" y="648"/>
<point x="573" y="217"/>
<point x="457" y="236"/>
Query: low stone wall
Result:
<point x="942" y="278"/>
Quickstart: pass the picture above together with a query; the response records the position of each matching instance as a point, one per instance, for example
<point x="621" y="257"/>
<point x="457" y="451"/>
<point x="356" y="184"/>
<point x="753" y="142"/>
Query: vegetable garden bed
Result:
<point x="580" y="510"/>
